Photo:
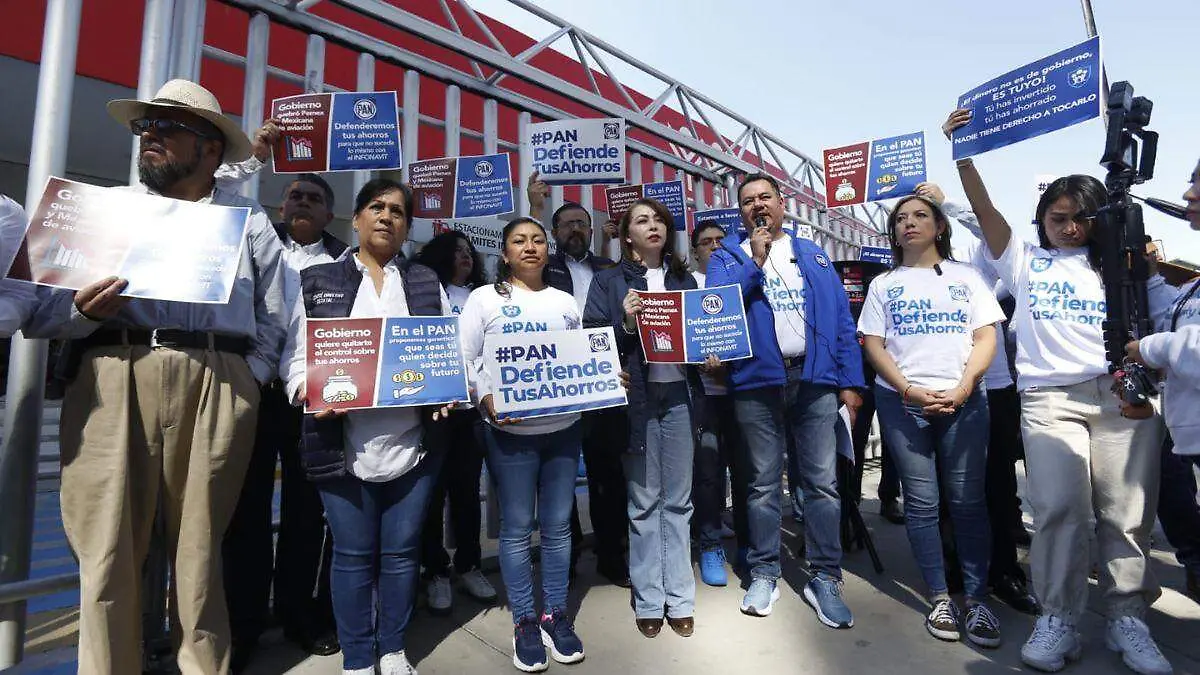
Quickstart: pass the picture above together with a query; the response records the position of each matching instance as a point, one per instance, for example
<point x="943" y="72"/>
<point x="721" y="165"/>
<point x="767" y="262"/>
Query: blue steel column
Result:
<point x="27" y="361"/>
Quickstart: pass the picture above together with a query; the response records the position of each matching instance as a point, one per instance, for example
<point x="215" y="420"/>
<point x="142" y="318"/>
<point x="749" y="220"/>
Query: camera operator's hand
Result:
<point x="932" y="192"/>
<point x="1136" y="412"/>
<point x="959" y="118"/>
<point x="1134" y="352"/>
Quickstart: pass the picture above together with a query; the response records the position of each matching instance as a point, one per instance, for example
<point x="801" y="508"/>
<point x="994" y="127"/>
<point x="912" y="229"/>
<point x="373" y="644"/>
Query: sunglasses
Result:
<point x="164" y="127"/>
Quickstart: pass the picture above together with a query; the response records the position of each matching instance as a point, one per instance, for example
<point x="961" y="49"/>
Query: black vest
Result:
<point x="329" y="291"/>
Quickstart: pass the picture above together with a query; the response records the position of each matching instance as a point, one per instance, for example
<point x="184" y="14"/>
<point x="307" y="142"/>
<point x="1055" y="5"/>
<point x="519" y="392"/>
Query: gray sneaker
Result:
<point x="760" y="597"/>
<point x="1130" y="637"/>
<point x="824" y="595"/>
<point x="1052" y="645"/>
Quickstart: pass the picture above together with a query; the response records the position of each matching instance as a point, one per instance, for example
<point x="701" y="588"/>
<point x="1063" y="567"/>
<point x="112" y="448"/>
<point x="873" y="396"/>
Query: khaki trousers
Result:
<point x="1085" y="461"/>
<point x="140" y="424"/>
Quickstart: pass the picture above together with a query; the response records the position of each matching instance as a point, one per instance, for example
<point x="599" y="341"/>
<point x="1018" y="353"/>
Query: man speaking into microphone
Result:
<point x="806" y="360"/>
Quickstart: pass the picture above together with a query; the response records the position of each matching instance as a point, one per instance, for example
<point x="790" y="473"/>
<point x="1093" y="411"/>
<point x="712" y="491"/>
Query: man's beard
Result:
<point x="575" y="245"/>
<point x="163" y="176"/>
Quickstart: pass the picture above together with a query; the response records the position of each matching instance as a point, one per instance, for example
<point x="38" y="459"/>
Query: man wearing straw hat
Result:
<point x="162" y="406"/>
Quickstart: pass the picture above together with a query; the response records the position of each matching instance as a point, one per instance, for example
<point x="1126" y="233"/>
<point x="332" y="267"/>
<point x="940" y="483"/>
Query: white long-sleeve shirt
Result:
<point x="381" y="444"/>
<point x="1177" y="353"/>
<point x="17" y="299"/>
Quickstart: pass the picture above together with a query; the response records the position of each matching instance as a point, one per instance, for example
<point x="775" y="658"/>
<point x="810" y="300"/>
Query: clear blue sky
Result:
<point x="821" y="74"/>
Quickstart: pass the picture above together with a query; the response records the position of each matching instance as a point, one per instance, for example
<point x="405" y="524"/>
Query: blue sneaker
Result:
<point x="529" y="654"/>
<point x="712" y="567"/>
<point x="825" y="596"/>
<point x="558" y="633"/>
<point x="760" y="598"/>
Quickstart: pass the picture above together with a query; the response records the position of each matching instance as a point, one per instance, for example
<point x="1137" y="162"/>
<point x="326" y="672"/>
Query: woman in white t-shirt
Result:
<point x="1085" y="458"/>
<point x="660" y="452"/>
<point x="459" y="267"/>
<point x="928" y="328"/>
<point x="533" y="462"/>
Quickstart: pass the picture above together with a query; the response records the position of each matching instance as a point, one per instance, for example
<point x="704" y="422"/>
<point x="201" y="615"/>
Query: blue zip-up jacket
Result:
<point x="605" y="307"/>
<point x="832" y="357"/>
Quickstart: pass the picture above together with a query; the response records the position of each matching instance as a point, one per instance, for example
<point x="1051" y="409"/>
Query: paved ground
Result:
<point x="888" y="636"/>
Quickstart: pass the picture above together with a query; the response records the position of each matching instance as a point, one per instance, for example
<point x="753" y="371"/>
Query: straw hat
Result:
<point x="189" y="96"/>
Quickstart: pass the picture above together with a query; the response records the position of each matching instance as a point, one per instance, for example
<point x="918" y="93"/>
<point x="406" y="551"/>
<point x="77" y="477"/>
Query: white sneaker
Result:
<point x="1052" y="644"/>
<point x="477" y="586"/>
<point x="396" y="663"/>
<point x="360" y="671"/>
<point x="440" y="597"/>
<point x="1130" y="637"/>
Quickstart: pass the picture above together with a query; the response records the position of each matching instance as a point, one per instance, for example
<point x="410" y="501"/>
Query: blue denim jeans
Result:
<point x="1177" y="510"/>
<point x="376" y="543"/>
<point x="535" y="483"/>
<point x="945" y="453"/>
<point x="760" y="469"/>
<point x="720" y="443"/>
<point x="660" y="507"/>
<point x="810" y="415"/>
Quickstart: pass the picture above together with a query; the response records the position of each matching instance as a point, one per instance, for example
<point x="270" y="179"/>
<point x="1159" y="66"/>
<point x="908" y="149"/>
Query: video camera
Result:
<point x="1129" y="153"/>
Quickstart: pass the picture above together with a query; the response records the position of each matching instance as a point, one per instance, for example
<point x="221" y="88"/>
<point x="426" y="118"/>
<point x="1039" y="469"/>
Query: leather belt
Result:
<point x="794" y="362"/>
<point x="169" y="339"/>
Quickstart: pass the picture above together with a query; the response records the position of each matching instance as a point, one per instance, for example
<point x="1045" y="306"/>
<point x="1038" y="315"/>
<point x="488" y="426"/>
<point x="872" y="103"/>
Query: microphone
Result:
<point x="760" y="221"/>
<point x="937" y="268"/>
<point x="1166" y="207"/>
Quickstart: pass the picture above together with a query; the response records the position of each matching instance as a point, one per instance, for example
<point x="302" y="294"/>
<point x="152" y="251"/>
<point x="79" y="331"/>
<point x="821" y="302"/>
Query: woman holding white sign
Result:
<point x="374" y="468"/>
<point x="928" y="328"/>
<point x="659" y="458"/>
<point x="1087" y="454"/>
<point x="532" y="461"/>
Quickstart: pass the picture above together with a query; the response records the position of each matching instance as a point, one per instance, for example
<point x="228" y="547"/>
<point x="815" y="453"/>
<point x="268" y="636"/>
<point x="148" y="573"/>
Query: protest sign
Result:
<point x="547" y="373"/>
<point x="669" y="193"/>
<point x="383" y="363"/>
<point x="687" y="326"/>
<point x="484" y="233"/>
<point x="344" y="131"/>
<point x="874" y="170"/>
<point x="876" y="254"/>
<point x="1049" y="94"/>
<point x="729" y="219"/>
<point x="461" y="187"/>
<point x="579" y="152"/>
<point x="167" y="249"/>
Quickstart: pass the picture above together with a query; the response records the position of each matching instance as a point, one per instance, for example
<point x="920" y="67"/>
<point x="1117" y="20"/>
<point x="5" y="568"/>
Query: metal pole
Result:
<point x="366" y="82"/>
<point x="411" y="118"/>
<point x="525" y="164"/>
<point x="1089" y="22"/>
<point x="27" y="361"/>
<point x="255" y="89"/>
<point x="189" y="40"/>
<point x="314" y="65"/>
<point x="155" y="64"/>
<point x="453" y="138"/>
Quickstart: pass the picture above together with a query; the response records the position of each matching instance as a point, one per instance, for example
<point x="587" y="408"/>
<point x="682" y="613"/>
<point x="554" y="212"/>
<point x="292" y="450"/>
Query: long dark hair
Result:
<point x="439" y="255"/>
<point x="941" y="242"/>
<point x="674" y="264"/>
<point x="1088" y="193"/>
<point x="503" y="269"/>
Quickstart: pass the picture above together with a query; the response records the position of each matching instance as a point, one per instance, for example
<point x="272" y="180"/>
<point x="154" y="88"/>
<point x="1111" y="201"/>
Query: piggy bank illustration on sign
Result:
<point x="845" y="192"/>
<point x="339" y="388"/>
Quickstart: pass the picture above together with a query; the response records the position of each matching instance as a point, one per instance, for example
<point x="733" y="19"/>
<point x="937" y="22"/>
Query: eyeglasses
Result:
<point x="162" y="127"/>
<point x="710" y="241"/>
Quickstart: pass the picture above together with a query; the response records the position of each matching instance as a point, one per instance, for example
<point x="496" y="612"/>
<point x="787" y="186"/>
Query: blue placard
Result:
<point x="1047" y="95"/>
<point x="363" y="132"/>
<point x="897" y="166"/>
<point x="876" y="254"/>
<point x="715" y="323"/>
<point x="484" y="186"/>
<point x="671" y="195"/>
<point x="729" y="219"/>
<point x="420" y="362"/>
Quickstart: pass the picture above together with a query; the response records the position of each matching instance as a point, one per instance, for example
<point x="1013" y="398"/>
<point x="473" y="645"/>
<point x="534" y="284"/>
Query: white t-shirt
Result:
<point x="458" y="298"/>
<point x="489" y="313"/>
<point x="384" y="443"/>
<point x="661" y="372"/>
<point x="1060" y="310"/>
<point x="784" y="288"/>
<point x="712" y="386"/>
<point x="926" y="320"/>
<point x="998" y="375"/>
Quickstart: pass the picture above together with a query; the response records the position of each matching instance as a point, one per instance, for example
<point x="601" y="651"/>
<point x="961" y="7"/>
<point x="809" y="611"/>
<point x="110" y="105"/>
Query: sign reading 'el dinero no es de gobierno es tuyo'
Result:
<point x="383" y="363"/>
<point x="1049" y="94"/>
<point x="343" y="131"/>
